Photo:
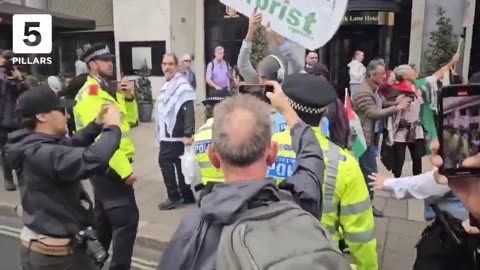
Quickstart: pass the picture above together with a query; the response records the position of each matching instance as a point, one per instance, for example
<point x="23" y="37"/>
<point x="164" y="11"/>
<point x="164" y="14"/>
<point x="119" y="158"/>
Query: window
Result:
<point x="133" y="55"/>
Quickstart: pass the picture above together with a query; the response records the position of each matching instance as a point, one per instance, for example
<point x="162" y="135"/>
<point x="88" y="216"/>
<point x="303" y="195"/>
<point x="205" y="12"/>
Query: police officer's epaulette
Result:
<point x="93" y="90"/>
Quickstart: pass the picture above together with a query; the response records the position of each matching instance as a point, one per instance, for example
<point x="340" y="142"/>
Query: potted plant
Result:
<point x="144" y="95"/>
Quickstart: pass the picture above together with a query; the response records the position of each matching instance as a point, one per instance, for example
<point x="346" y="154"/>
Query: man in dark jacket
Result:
<point x="242" y="147"/>
<point x="175" y="116"/>
<point x="50" y="167"/>
<point x="12" y="84"/>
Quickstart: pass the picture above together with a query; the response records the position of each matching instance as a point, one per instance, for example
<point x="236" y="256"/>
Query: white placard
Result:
<point x="310" y="23"/>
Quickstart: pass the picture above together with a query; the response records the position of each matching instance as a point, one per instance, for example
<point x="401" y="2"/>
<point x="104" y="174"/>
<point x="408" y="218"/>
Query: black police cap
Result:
<point x="98" y="51"/>
<point x="308" y="94"/>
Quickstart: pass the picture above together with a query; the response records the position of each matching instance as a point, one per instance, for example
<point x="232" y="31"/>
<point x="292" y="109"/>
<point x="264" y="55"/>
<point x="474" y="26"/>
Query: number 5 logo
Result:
<point x="32" y="33"/>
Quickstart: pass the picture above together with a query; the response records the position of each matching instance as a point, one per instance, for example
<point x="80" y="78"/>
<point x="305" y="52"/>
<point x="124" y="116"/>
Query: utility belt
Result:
<point x="84" y="240"/>
<point x="40" y="246"/>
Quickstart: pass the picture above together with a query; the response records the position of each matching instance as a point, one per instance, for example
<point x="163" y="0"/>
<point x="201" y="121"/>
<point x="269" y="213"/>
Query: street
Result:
<point x="9" y="249"/>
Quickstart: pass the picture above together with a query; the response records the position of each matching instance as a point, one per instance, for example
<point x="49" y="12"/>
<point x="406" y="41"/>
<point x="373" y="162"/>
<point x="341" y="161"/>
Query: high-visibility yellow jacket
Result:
<point x="347" y="208"/>
<point x="90" y="99"/>
<point x="203" y="139"/>
<point x="132" y="116"/>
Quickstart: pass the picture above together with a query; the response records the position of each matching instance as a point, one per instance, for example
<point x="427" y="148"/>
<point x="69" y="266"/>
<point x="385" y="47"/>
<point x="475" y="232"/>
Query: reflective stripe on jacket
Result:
<point x="347" y="208"/>
<point x="90" y="99"/>
<point x="203" y="139"/>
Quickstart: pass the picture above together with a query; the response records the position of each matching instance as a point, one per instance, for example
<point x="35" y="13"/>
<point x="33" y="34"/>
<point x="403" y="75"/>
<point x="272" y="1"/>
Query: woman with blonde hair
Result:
<point x="357" y="72"/>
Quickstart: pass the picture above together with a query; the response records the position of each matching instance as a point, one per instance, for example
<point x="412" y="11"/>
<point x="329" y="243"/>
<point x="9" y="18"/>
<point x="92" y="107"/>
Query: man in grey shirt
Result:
<point x="249" y="73"/>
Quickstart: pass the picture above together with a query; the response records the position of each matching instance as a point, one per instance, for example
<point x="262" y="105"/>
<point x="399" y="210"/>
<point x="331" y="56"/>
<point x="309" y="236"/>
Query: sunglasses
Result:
<point x="188" y="61"/>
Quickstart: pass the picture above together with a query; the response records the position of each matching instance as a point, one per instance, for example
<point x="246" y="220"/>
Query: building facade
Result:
<point x="141" y="31"/>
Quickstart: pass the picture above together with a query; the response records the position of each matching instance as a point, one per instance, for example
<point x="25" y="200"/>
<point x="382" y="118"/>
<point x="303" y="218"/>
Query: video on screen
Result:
<point x="461" y="133"/>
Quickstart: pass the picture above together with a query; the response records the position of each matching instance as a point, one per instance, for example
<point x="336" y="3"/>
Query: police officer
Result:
<point x="50" y="166"/>
<point x="116" y="211"/>
<point x="202" y="140"/>
<point x="347" y="208"/>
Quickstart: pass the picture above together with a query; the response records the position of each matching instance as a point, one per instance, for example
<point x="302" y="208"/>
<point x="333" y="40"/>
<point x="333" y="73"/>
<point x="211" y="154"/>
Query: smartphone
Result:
<point x="458" y="128"/>
<point x="259" y="91"/>
<point x="131" y="83"/>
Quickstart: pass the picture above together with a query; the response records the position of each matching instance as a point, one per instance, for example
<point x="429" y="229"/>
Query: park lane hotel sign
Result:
<point x="368" y="17"/>
<point x="310" y="23"/>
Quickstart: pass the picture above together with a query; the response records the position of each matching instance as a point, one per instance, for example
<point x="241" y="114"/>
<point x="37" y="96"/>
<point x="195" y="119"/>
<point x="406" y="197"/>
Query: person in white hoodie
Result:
<point x="357" y="72"/>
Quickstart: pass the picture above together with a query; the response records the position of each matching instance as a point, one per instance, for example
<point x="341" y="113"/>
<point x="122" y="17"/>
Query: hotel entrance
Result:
<point x="370" y="32"/>
<point x="223" y="27"/>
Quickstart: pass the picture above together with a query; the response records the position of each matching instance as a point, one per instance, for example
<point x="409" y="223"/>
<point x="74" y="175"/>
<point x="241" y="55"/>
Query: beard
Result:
<point x="106" y="74"/>
<point x="169" y="75"/>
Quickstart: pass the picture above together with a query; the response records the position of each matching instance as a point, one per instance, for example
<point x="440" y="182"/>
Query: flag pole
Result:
<point x="346" y="96"/>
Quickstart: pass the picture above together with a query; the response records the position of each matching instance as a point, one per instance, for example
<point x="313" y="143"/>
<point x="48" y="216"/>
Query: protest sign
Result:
<point x="310" y="23"/>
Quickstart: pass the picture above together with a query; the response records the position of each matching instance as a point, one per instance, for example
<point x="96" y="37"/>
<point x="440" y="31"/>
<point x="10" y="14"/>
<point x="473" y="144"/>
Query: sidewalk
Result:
<point x="396" y="234"/>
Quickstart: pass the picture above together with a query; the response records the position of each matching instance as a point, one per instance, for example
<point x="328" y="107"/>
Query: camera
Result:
<point x="95" y="249"/>
<point x="8" y="55"/>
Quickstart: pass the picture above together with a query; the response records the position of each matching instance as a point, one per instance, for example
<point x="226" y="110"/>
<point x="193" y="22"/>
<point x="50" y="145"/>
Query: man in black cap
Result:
<point x="347" y="208"/>
<point x="50" y="166"/>
<point x="202" y="140"/>
<point x="116" y="211"/>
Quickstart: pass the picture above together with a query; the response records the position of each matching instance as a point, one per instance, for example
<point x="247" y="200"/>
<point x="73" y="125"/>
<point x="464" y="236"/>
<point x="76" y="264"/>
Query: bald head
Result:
<point x="241" y="130"/>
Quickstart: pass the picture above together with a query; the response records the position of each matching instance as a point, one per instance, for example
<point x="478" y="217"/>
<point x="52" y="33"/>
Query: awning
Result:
<point x="61" y="22"/>
<point x="373" y="5"/>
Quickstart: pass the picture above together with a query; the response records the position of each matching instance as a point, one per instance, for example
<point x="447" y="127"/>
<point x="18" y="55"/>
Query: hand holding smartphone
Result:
<point x="259" y="91"/>
<point x="458" y="128"/>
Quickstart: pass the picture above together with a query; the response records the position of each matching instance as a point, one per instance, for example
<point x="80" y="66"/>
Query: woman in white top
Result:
<point x="357" y="72"/>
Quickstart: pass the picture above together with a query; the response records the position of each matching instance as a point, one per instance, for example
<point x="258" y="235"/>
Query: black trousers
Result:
<point x="417" y="150"/>
<point x="7" y="169"/>
<point x="79" y="260"/>
<point x="116" y="218"/>
<point x="171" y="167"/>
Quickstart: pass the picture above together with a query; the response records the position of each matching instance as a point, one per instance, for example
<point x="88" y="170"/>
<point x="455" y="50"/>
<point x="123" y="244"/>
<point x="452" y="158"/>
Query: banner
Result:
<point x="310" y="23"/>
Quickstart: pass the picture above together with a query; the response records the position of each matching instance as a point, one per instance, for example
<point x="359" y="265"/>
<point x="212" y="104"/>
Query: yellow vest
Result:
<point x="90" y="99"/>
<point x="203" y="139"/>
<point x="347" y="209"/>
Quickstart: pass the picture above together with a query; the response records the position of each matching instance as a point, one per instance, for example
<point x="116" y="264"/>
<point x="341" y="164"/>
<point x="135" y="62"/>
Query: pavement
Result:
<point x="397" y="233"/>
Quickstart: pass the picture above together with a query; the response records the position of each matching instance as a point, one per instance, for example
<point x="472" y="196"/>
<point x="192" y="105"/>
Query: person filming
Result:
<point x="57" y="211"/>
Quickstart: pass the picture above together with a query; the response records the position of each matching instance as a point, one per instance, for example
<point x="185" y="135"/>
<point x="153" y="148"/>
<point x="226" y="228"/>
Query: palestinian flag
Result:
<point x="359" y="144"/>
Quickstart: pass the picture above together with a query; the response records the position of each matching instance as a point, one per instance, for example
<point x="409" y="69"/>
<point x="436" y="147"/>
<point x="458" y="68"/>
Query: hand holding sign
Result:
<point x="309" y="23"/>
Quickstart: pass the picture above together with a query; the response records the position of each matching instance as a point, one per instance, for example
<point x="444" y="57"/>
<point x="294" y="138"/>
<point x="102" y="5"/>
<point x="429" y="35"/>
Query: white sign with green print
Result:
<point x="310" y="23"/>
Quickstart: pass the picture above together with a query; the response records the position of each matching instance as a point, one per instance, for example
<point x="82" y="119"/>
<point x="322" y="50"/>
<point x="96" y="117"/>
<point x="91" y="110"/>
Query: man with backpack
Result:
<point x="233" y="228"/>
<point x="218" y="71"/>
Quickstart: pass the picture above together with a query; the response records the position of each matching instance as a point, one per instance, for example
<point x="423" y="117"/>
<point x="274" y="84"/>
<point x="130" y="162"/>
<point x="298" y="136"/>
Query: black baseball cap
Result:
<point x="41" y="99"/>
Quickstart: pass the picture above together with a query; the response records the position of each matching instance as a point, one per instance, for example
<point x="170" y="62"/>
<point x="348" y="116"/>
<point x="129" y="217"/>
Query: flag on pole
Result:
<point x="359" y="144"/>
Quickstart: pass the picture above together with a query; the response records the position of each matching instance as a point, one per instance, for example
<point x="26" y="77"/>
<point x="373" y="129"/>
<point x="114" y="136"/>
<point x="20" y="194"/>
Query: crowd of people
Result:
<point x="265" y="173"/>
